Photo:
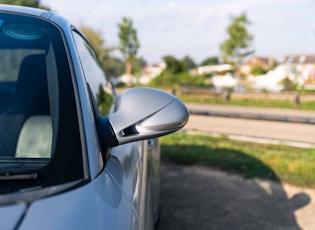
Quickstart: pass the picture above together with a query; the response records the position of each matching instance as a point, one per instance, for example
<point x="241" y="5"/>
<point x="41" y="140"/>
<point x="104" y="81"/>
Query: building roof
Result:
<point x="303" y="58"/>
<point x="266" y="61"/>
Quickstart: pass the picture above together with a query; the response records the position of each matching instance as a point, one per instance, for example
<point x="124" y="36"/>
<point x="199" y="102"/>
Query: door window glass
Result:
<point x="94" y="75"/>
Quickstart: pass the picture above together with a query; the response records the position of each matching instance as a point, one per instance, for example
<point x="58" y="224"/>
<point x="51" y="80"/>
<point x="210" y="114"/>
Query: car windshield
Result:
<point x="39" y="131"/>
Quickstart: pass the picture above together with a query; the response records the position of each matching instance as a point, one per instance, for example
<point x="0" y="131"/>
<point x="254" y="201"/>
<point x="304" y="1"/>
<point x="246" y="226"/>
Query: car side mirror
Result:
<point x="143" y="113"/>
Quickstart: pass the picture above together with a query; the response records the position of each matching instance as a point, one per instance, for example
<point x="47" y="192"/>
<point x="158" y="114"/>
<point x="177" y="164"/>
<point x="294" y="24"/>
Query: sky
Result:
<point x="197" y="27"/>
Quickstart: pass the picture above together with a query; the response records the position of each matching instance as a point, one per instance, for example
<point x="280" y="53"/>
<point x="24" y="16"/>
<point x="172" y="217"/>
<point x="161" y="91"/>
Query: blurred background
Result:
<point x="246" y="71"/>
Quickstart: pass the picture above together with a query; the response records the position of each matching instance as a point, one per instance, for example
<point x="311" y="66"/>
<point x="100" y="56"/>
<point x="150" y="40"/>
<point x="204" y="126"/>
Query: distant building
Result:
<point x="263" y="62"/>
<point x="300" y="66"/>
<point x="269" y="81"/>
<point x="201" y="70"/>
<point x="149" y="72"/>
<point x="299" y="59"/>
<point x="127" y="79"/>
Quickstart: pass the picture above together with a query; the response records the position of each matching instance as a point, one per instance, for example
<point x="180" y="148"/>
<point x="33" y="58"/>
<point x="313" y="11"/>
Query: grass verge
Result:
<point x="295" y="166"/>
<point x="256" y="102"/>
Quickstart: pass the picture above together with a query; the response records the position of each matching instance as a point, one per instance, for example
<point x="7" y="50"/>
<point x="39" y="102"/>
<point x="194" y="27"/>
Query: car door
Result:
<point x="129" y="164"/>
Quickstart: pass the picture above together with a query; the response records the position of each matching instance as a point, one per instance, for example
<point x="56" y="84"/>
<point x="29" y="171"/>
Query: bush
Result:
<point x="288" y="85"/>
<point x="257" y="70"/>
<point x="173" y="65"/>
<point x="170" y="79"/>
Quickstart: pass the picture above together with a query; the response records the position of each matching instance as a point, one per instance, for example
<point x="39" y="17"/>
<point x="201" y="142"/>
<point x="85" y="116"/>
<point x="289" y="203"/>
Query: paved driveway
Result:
<point x="198" y="197"/>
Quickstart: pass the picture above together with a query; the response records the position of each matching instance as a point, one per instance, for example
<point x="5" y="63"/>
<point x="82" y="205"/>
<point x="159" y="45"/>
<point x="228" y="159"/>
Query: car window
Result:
<point x="94" y="75"/>
<point x="37" y="103"/>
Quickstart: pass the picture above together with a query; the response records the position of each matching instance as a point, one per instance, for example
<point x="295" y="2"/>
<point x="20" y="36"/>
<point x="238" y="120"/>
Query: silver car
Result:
<point x="73" y="153"/>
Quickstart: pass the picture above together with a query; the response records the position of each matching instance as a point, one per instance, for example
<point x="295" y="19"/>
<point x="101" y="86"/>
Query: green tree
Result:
<point x="257" y="70"/>
<point x="188" y="62"/>
<point x="129" y="43"/>
<point x="210" y="61"/>
<point x="96" y="40"/>
<point x="170" y="80"/>
<point x="291" y="85"/>
<point x="138" y="64"/>
<point x="238" y="44"/>
<point x="288" y="85"/>
<point x="112" y="66"/>
<point x="173" y="65"/>
<point x="30" y="3"/>
<point x="175" y="75"/>
<point x="104" y="101"/>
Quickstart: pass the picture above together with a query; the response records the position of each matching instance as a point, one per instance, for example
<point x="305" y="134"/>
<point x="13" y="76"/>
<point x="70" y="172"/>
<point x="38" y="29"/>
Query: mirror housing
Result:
<point x="143" y="113"/>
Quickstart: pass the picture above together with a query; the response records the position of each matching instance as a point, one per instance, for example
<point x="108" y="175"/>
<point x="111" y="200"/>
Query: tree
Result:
<point x="288" y="85"/>
<point x="96" y="40"/>
<point x="173" y="65"/>
<point x="210" y="61"/>
<point x="112" y="66"/>
<point x="138" y="64"/>
<point x="188" y="62"/>
<point x="238" y="45"/>
<point x="258" y="70"/>
<point x="30" y="3"/>
<point x="291" y="85"/>
<point x="129" y="43"/>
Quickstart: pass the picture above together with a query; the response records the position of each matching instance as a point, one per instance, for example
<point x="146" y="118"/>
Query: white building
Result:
<point x="269" y="81"/>
<point x="151" y="71"/>
<point x="148" y="73"/>
<point x="212" y="69"/>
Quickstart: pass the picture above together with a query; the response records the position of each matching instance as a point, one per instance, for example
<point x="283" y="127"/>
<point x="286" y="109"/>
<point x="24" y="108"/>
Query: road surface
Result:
<point x="286" y="126"/>
<point x="290" y="115"/>
<point x="284" y="132"/>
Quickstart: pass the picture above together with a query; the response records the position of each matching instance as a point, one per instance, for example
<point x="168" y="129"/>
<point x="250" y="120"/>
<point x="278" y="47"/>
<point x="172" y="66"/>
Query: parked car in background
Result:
<point x="73" y="153"/>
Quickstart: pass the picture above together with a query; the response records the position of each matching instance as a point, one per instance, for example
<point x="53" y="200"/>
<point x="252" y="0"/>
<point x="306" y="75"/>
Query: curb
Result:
<point x="268" y="117"/>
<point x="251" y="139"/>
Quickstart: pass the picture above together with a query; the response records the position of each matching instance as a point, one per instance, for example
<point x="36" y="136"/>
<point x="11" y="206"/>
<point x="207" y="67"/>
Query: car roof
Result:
<point x="23" y="10"/>
<point x="36" y="12"/>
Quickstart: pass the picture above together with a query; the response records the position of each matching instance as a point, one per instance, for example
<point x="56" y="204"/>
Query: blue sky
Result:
<point x="197" y="27"/>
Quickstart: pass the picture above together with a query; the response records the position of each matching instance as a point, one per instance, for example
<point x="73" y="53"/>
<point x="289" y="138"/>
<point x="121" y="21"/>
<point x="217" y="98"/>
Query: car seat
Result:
<point x="20" y="126"/>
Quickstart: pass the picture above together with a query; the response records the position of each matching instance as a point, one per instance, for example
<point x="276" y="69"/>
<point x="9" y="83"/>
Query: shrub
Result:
<point x="174" y="80"/>
<point x="257" y="70"/>
<point x="288" y="85"/>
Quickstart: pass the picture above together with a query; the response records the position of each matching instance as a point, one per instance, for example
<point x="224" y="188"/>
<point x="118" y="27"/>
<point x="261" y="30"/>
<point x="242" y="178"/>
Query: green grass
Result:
<point x="262" y="102"/>
<point x="295" y="166"/>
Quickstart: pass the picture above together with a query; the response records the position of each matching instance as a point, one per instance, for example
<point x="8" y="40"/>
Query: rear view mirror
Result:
<point x="144" y="113"/>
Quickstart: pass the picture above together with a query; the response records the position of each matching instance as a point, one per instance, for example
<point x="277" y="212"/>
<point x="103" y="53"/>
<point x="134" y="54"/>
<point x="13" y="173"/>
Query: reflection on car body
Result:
<point x="73" y="153"/>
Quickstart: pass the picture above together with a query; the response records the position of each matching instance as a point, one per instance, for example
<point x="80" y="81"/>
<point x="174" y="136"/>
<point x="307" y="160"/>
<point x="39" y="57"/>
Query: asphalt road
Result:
<point x="249" y="128"/>
<point x="273" y="125"/>
<point x="286" y="115"/>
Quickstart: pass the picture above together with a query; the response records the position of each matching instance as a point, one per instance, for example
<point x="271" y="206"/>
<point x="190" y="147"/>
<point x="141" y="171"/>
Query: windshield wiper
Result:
<point x="16" y="176"/>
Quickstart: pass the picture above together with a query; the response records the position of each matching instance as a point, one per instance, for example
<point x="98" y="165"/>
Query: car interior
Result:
<point x="27" y="120"/>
